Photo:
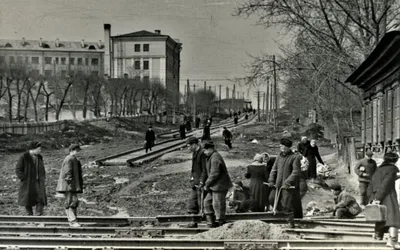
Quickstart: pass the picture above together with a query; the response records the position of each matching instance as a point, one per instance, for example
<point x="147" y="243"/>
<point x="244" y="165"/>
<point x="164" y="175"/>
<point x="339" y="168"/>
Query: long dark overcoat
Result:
<point x="70" y="179"/>
<point x="286" y="170"/>
<point x="259" y="192"/>
<point x="382" y="188"/>
<point x="218" y="177"/>
<point x="312" y="155"/>
<point x="32" y="189"/>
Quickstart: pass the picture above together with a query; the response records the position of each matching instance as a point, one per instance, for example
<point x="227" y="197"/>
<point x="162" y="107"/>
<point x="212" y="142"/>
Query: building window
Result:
<point x="86" y="61"/>
<point x="95" y="73"/>
<point x="137" y="47"/>
<point x="80" y="61"/>
<point x="57" y="60"/>
<point x="12" y="59"/>
<point x="137" y="64"/>
<point x="47" y="60"/>
<point x="146" y="47"/>
<point x="63" y="60"/>
<point x="145" y="65"/>
<point x="63" y="72"/>
<point x="95" y="61"/>
<point x="48" y="73"/>
<point x="71" y="61"/>
<point x="35" y="60"/>
<point x="2" y="59"/>
<point x="20" y="60"/>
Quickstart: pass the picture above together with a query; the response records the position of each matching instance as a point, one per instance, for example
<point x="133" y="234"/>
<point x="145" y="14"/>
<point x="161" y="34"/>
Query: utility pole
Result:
<point x="258" y="105"/>
<point x="227" y="98"/>
<point x="205" y="85"/>
<point x="263" y="107"/>
<point x="194" y="103"/>
<point x="219" y="103"/>
<point x="267" y="101"/>
<point x="276" y="95"/>
<point x="233" y="97"/>
<point x="209" y="88"/>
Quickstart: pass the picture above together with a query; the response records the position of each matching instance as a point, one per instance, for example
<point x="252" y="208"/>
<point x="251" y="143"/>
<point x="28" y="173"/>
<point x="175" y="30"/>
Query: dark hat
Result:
<point x="74" y="147"/>
<point x="192" y="140"/>
<point x="369" y="152"/>
<point x="286" y="142"/>
<point x="150" y="126"/>
<point x="224" y="127"/>
<point x="391" y="157"/>
<point x="208" y="144"/>
<point x="336" y="187"/>
<point x="35" y="145"/>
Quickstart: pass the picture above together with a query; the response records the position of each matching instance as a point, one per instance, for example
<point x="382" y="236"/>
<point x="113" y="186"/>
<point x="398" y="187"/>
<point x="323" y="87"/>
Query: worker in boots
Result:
<point x="217" y="185"/>
<point x="382" y="190"/>
<point x="365" y="169"/>
<point x="182" y="130"/>
<point x="149" y="139"/>
<point x="346" y="206"/>
<point x="70" y="183"/>
<point x="285" y="180"/>
<point x="227" y="137"/>
<point x="198" y="178"/>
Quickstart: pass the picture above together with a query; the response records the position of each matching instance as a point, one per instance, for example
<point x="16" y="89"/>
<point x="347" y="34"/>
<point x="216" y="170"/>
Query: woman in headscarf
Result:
<point x="382" y="190"/>
<point x="258" y="172"/>
<point x="312" y="154"/>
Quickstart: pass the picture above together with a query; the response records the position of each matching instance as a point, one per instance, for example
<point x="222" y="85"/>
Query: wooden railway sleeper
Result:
<point x="250" y="246"/>
<point x="12" y="248"/>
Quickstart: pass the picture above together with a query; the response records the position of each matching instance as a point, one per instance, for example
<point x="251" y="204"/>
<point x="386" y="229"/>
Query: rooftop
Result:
<point x="51" y="45"/>
<point x="145" y="33"/>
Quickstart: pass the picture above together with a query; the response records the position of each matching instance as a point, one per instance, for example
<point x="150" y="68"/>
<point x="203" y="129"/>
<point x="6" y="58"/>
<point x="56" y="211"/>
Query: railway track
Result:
<point x="138" y="156"/>
<point x="312" y="233"/>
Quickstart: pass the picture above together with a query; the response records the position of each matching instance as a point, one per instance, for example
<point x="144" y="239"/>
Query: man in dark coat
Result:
<point x="285" y="176"/>
<point x="365" y="169"/>
<point x="236" y="119"/>
<point x="198" y="177"/>
<point x="227" y="137"/>
<point x="206" y="133"/>
<point x="182" y="131"/>
<point x="70" y="183"/>
<point x="197" y="122"/>
<point x="188" y="126"/>
<point x="217" y="185"/>
<point x="303" y="144"/>
<point x="346" y="206"/>
<point x="31" y="172"/>
<point x="382" y="190"/>
<point x="312" y="154"/>
<point x="150" y="138"/>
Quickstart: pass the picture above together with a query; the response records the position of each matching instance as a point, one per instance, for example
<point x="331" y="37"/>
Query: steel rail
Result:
<point x="157" y="153"/>
<point x="331" y="234"/>
<point x="184" y="243"/>
<point x="82" y="219"/>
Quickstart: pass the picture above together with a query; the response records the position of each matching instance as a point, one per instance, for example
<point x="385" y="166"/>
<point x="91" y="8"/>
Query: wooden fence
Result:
<point x="41" y="127"/>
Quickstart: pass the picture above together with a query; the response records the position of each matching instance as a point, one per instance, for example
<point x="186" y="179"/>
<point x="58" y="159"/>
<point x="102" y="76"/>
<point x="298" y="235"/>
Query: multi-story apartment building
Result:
<point x="52" y="58"/>
<point x="145" y="55"/>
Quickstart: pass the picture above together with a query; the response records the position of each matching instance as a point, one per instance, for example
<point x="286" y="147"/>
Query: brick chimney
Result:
<point x="157" y="31"/>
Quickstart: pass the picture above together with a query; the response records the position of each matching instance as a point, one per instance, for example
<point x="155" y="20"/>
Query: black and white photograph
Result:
<point x="199" y="124"/>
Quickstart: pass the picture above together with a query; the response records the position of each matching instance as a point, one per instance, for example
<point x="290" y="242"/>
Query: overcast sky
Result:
<point x="215" y="43"/>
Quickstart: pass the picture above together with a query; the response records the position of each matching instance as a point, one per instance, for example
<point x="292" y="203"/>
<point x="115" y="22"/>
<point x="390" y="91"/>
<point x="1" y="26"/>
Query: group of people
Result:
<point x="31" y="172"/>
<point x="275" y="182"/>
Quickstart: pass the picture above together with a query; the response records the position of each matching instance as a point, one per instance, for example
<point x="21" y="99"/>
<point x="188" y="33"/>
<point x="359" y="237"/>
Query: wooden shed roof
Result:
<point x="383" y="62"/>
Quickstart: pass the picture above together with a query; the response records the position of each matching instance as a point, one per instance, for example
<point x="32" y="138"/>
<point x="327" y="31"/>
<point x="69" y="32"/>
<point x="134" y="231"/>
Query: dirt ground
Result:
<point x="159" y="187"/>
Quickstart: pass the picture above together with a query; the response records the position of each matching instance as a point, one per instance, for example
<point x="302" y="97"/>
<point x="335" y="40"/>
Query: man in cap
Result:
<point x="70" y="183"/>
<point x="149" y="139"/>
<point x="365" y="168"/>
<point x="285" y="177"/>
<point x="198" y="177"/>
<point x="346" y="206"/>
<point x="217" y="185"/>
<point x="32" y="175"/>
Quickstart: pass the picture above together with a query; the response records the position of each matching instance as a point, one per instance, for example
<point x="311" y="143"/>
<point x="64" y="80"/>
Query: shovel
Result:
<point x="276" y="200"/>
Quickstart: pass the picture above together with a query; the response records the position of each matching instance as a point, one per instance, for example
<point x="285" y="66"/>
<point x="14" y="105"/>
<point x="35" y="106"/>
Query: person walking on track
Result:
<point x="285" y="178"/>
<point x="227" y="137"/>
<point x="217" y="185"/>
<point x="149" y="139"/>
<point x="382" y="190"/>
<point x="32" y="175"/>
<point x="365" y="169"/>
<point x="198" y="178"/>
<point x="70" y="183"/>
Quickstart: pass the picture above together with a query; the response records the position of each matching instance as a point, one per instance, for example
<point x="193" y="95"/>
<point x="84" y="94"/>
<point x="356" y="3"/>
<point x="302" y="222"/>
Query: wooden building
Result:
<point x="378" y="77"/>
